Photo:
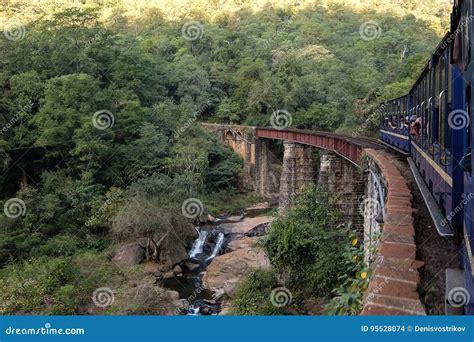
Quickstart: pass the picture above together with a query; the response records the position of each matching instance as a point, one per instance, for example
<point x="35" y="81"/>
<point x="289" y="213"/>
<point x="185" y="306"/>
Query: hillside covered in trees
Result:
<point x="99" y="102"/>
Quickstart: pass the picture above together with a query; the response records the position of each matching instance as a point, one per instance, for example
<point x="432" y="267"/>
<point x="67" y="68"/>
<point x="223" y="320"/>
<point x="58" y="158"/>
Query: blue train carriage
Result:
<point x="394" y="124"/>
<point x="461" y="59"/>
<point x="436" y="143"/>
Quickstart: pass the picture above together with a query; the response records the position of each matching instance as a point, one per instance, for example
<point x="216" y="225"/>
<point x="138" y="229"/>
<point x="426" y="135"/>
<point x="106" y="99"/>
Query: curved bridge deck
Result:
<point x="347" y="147"/>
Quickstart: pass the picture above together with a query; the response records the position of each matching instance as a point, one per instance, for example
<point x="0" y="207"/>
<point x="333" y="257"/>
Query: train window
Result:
<point x="469" y="113"/>
<point x="399" y="113"/>
<point x="465" y="29"/>
<point x="450" y="83"/>
<point x="442" y="104"/>
<point x="436" y="84"/>
<point x="430" y="106"/>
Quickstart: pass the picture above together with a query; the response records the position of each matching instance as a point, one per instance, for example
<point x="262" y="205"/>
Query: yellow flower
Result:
<point x="354" y="242"/>
<point x="363" y="275"/>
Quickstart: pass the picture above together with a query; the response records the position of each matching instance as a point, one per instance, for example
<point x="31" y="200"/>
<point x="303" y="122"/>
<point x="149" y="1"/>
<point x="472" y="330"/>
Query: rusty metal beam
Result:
<point x="346" y="147"/>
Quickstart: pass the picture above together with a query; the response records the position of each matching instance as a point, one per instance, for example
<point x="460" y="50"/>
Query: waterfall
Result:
<point x="217" y="247"/>
<point x="198" y="245"/>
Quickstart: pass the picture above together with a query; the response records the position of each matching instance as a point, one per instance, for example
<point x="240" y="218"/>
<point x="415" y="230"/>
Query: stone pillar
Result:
<point x="297" y="171"/>
<point x="268" y="170"/>
<point x="341" y="177"/>
<point x="262" y="185"/>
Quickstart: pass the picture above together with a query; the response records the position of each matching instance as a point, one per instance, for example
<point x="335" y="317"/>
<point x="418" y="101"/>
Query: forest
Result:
<point x="100" y="105"/>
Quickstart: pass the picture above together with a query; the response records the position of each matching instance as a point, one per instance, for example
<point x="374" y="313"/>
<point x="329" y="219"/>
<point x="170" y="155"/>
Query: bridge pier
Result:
<point x="268" y="171"/>
<point x="298" y="170"/>
<point x="339" y="176"/>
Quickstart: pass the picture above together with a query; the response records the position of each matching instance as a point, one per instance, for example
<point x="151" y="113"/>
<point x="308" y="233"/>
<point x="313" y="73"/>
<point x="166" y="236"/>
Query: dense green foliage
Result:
<point x="306" y="245"/>
<point x="253" y="295"/>
<point x="312" y="256"/>
<point x="348" y="297"/>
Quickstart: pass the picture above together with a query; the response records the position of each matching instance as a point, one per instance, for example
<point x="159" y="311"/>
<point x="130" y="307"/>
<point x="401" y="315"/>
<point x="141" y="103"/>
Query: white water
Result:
<point x="217" y="247"/>
<point x="193" y="311"/>
<point x="198" y="245"/>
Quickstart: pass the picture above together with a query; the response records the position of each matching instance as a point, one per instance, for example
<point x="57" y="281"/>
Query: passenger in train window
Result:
<point x="416" y="128"/>
<point x="405" y="122"/>
<point x="392" y="123"/>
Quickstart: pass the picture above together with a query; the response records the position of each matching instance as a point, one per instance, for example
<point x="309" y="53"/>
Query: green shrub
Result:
<point x="65" y="301"/>
<point x="348" y="299"/>
<point x="306" y="245"/>
<point x="253" y="295"/>
<point x="42" y="286"/>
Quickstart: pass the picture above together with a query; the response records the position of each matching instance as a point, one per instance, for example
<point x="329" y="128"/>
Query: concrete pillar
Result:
<point x="298" y="170"/>
<point x="341" y="177"/>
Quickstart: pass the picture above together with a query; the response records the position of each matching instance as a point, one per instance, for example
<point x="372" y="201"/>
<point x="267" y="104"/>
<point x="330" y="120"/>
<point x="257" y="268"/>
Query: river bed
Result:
<point x="216" y="242"/>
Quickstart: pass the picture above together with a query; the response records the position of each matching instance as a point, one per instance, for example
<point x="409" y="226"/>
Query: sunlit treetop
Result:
<point x="436" y="12"/>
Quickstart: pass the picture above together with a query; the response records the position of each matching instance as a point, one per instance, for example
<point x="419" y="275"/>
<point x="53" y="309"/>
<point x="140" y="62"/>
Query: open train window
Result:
<point x="443" y="104"/>
<point x="430" y="106"/>
<point x="469" y="128"/>
<point x="466" y="25"/>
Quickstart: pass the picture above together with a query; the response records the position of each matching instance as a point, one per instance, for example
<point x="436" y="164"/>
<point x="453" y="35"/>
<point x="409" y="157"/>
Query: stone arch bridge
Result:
<point x="376" y="198"/>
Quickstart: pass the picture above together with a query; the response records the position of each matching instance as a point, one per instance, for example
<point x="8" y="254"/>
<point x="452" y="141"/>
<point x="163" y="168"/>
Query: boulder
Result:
<point x="226" y="270"/>
<point x="246" y="225"/>
<point x="173" y="295"/>
<point x="205" y="310"/>
<point x="191" y="265"/>
<point x="177" y="270"/>
<point x="168" y="275"/>
<point x="233" y="219"/>
<point x="258" y="209"/>
<point x="210" y="218"/>
<point x="242" y="243"/>
<point x="259" y="230"/>
<point x="129" y="254"/>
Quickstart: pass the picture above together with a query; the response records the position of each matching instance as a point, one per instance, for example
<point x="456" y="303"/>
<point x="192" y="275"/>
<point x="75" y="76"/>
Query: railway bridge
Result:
<point x="375" y="197"/>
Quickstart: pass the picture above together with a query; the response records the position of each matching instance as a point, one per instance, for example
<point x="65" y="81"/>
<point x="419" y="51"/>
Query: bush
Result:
<point x="42" y="286"/>
<point x="348" y="299"/>
<point x="254" y="293"/>
<point x="306" y="245"/>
